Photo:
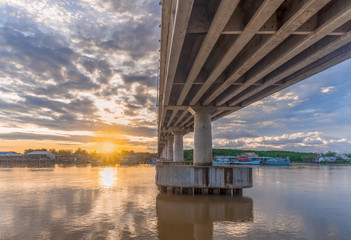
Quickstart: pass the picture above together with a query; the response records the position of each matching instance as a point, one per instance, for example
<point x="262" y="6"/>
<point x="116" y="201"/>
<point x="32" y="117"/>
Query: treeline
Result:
<point x="59" y="152"/>
<point x="80" y="151"/>
<point x="331" y="154"/>
<point x="293" y="156"/>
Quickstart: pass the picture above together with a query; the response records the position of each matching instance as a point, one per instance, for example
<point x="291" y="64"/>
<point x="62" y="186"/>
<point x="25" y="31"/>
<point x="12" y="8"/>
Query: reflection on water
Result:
<point x="84" y="202"/>
<point x="108" y="177"/>
<point x="192" y="217"/>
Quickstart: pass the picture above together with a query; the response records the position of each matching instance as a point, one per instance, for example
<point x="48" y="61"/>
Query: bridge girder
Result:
<point x="228" y="54"/>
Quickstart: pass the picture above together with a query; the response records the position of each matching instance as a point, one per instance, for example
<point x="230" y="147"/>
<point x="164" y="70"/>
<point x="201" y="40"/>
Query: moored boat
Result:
<point x="248" y="159"/>
<point x="275" y="161"/>
<point x="223" y="160"/>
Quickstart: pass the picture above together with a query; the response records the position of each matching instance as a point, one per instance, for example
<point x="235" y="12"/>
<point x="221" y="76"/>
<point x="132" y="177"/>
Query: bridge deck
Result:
<point x="231" y="53"/>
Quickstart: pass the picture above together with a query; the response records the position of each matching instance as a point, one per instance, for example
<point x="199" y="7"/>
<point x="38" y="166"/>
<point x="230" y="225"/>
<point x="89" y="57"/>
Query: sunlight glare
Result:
<point x="108" y="177"/>
<point x="108" y="147"/>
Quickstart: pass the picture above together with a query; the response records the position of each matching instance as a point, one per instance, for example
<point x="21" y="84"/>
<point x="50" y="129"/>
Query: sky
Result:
<point x="84" y="73"/>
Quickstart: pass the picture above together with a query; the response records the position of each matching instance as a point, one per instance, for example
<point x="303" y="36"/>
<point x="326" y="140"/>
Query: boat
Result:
<point x="275" y="161"/>
<point x="248" y="159"/>
<point x="152" y="161"/>
<point x="223" y="160"/>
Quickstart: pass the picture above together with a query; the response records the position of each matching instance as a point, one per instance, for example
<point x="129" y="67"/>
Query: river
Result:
<point x="85" y="202"/>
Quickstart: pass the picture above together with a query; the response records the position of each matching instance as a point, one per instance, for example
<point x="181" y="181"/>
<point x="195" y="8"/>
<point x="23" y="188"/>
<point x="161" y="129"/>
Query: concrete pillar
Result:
<point x="202" y="135"/>
<point x="178" y="152"/>
<point x="170" y="148"/>
<point x="163" y="153"/>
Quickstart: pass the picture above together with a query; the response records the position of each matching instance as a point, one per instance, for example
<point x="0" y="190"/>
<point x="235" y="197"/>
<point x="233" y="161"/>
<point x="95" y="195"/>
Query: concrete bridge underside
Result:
<point x="218" y="56"/>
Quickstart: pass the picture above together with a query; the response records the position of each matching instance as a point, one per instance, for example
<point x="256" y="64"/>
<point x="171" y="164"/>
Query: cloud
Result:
<point x="327" y="89"/>
<point x="84" y="65"/>
<point x="234" y="133"/>
<point x="32" y="136"/>
<point x="92" y="66"/>
<point x="299" y="141"/>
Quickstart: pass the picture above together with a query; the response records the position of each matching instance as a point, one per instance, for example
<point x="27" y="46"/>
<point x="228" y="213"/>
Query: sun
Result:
<point x="108" y="147"/>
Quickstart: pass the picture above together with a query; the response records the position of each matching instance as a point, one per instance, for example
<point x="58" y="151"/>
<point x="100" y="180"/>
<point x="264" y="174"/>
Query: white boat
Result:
<point x="223" y="160"/>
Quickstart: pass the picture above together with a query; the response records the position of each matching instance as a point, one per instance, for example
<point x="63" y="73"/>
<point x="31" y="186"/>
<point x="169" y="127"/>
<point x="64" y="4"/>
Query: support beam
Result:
<point x="183" y="12"/>
<point x="224" y="108"/>
<point x="174" y="113"/>
<point x="267" y="8"/>
<point x="185" y="121"/>
<point x="293" y="47"/>
<point x="332" y="59"/>
<point x="301" y="13"/>
<point x="181" y="117"/>
<point x="305" y="59"/>
<point x="224" y="12"/>
<point x="202" y="135"/>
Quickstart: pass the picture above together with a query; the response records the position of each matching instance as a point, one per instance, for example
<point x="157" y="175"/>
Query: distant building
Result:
<point x="40" y="155"/>
<point x="129" y="160"/>
<point x="7" y="156"/>
<point x="8" y="153"/>
<point x="326" y="159"/>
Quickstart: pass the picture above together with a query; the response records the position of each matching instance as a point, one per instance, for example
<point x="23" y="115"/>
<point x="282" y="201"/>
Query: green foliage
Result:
<point x="340" y="160"/>
<point x="329" y="154"/>
<point x="188" y="155"/>
<point x="293" y="156"/>
<point x="81" y="152"/>
<point x="64" y="152"/>
<point x="31" y="150"/>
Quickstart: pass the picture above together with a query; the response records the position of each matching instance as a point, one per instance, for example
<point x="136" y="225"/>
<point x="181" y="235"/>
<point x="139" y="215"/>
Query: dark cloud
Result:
<point x="41" y="54"/>
<point x="33" y="136"/>
<point x="142" y="97"/>
<point x="148" y="78"/>
<point x="136" y="6"/>
<point x="130" y="64"/>
<point x="230" y="133"/>
<point x="108" y="91"/>
<point x="76" y="106"/>
<point x="136" y="38"/>
<point x="102" y="67"/>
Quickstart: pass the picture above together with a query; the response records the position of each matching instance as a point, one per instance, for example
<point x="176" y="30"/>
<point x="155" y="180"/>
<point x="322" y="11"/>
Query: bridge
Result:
<point x="219" y="56"/>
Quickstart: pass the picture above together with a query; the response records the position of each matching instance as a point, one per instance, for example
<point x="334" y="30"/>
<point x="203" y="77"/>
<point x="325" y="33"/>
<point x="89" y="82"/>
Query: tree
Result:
<point x="65" y="152"/>
<point x="81" y="152"/>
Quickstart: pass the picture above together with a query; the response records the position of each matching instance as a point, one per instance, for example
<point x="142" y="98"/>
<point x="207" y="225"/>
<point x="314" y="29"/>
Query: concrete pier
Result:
<point x="202" y="135"/>
<point x="178" y="151"/>
<point x="170" y="147"/>
<point x="180" y="178"/>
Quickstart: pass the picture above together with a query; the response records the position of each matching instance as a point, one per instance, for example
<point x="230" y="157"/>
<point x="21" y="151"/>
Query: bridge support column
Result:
<point x="202" y="135"/>
<point x="178" y="152"/>
<point x="163" y="153"/>
<point x="170" y="148"/>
